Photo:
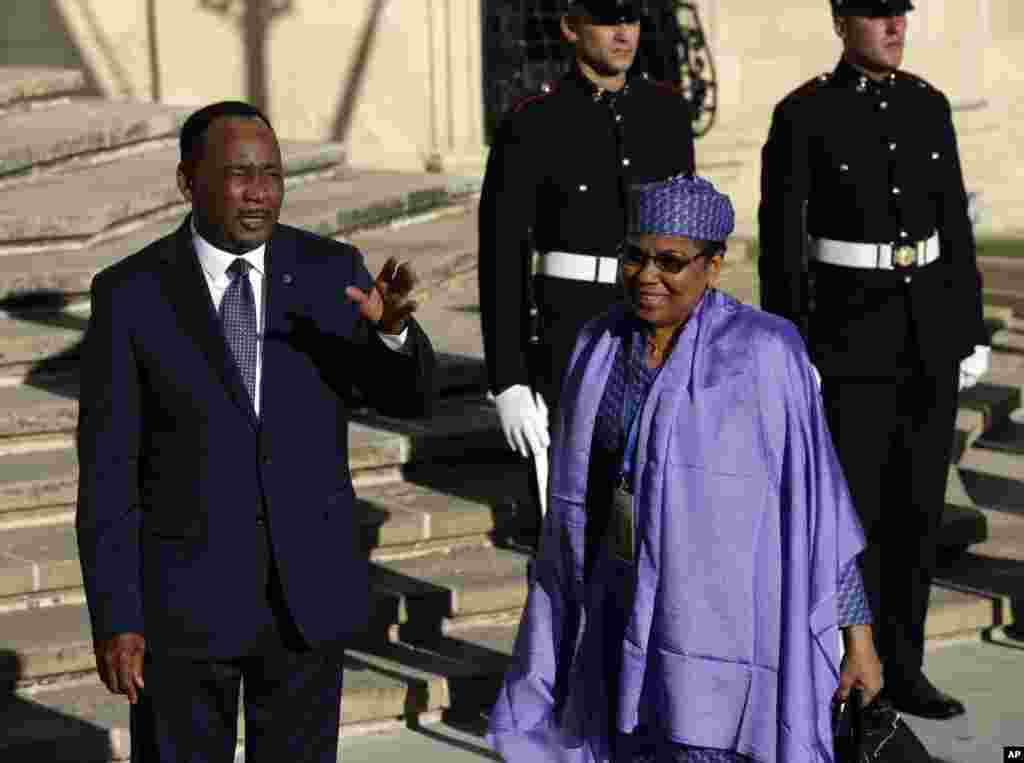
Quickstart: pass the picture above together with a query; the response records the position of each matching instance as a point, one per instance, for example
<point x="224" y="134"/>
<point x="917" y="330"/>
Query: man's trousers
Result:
<point x="188" y="711"/>
<point x="894" y="438"/>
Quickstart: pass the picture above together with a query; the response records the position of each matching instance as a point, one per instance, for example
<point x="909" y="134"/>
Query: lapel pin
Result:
<point x="287" y="278"/>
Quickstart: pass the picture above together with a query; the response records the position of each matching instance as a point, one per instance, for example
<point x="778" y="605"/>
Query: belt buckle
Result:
<point x="904" y="256"/>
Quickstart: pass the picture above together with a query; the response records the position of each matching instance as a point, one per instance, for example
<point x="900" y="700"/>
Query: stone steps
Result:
<point x="330" y="206"/>
<point x="1003" y="281"/>
<point x="40" y="344"/>
<point x="55" y="278"/>
<point x="369" y="198"/>
<point x="81" y="132"/>
<point x="993" y="479"/>
<point x="414" y="524"/>
<point x="994" y="401"/>
<point x="38" y="474"/>
<point x="78" y="720"/>
<point x="454" y="592"/>
<point x="48" y="215"/>
<point x="419" y="600"/>
<point x="29" y="413"/>
<point x="43" y="340"/>
<point x="37" y="481"/>
<point x="23" y="87"/>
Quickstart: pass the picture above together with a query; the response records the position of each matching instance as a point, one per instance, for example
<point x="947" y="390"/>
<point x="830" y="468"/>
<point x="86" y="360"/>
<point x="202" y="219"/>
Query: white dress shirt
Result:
<point x="215" y="263"/>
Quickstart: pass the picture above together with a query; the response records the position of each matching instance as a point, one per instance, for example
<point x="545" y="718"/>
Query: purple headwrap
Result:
<point x="683" y="205"/>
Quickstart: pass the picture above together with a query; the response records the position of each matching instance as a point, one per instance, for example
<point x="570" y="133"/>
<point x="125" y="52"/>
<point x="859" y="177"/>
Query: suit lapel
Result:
<point x="190" y="297"/>
<point x="279" y="290"/>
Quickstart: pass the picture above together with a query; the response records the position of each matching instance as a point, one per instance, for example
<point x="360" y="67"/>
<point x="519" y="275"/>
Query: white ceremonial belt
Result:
<point x="852" y="254"/>
<point x="577" y="267"/>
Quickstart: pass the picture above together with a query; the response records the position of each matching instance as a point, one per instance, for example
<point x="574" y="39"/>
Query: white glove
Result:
<point x="974" y="366"/>
<point x="524" y="420"/>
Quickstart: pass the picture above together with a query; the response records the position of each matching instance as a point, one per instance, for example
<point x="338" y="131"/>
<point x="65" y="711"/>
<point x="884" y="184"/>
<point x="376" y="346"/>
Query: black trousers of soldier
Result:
<point x="894" y="439"/>
<point x="565" y="306"/>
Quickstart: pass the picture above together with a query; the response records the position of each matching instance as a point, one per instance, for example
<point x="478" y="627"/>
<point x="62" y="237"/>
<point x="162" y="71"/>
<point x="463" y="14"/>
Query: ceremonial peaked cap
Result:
<point x="612" y="11"/>
<point x="871" y="7"/>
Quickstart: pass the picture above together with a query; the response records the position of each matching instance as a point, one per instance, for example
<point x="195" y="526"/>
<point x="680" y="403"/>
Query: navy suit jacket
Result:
<point x="174" y="465"/>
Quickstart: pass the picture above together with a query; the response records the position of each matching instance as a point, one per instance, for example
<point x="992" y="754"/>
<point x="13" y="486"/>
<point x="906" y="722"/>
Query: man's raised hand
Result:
<point x="387" y="306"/>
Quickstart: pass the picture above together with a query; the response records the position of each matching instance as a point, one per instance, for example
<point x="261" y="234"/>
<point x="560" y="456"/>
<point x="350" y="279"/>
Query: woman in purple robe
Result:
<point x="698" y="557"/>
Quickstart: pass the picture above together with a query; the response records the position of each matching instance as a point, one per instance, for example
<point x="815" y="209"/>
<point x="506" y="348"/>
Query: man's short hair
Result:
<point x="193" y="133"/>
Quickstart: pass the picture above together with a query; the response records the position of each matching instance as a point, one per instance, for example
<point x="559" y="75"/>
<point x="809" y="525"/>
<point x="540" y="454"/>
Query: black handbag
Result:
<point x="873" y="733"/>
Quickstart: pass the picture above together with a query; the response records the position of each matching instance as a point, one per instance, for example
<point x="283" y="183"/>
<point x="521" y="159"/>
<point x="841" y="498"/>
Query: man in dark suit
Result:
<point x="216" y="518"/>
<point x="861" y="173"/>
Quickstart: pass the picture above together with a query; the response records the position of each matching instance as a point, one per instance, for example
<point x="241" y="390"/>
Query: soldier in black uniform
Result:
<point x="867" y="246"/>
<point x="556" y="184"/>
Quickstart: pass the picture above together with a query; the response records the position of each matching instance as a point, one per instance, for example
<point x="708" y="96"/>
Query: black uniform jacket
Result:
<point x="560" y="167"/>
<point x="851" y="159"/>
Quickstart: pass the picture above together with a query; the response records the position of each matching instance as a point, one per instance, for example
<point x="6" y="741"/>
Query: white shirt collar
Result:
<point x="215" y="262"/>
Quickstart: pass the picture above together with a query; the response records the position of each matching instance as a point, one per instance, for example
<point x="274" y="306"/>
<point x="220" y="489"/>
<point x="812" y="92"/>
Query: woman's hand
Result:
<point x="861" y="667"/>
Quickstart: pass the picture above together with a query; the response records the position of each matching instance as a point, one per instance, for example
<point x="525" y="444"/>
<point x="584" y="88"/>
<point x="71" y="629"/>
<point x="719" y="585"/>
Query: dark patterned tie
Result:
<point x="238" y="315"/>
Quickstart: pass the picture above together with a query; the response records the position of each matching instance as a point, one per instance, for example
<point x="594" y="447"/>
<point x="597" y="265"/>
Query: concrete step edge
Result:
<point x="970" y="612"/>
<point x="31" y="86"/>
<point x="84" y="131"/>
<point x="18" y="173"/>
<point x="37" y="516"/>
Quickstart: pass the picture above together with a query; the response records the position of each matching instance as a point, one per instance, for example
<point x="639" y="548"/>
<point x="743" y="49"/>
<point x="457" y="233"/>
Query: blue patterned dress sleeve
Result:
<point x="853" y="601"/>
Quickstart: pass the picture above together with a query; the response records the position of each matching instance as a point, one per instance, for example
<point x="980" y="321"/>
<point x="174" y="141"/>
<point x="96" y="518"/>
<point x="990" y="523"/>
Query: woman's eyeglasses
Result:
<point x="635" y="258"/>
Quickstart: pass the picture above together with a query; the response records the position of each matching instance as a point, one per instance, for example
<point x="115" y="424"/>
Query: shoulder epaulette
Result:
<point x="808" y="88"/>
<point x="921" y="82"/>
<point x="814" y="83"/>
<point x="668" y="86"/>
<point x="545" y="90"/>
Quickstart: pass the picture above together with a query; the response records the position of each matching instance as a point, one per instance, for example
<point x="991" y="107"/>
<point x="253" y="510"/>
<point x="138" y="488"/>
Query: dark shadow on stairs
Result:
<point x="990" y="576"/>
<point x="31" y="731"/>
<point x="58" y="372"/>
<point x="994" y="492"/>
<point x="472" y="725"/>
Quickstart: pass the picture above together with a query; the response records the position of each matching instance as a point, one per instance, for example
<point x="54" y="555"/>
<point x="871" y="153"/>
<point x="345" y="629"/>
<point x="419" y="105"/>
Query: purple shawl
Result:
<point x="744" y="523"/>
